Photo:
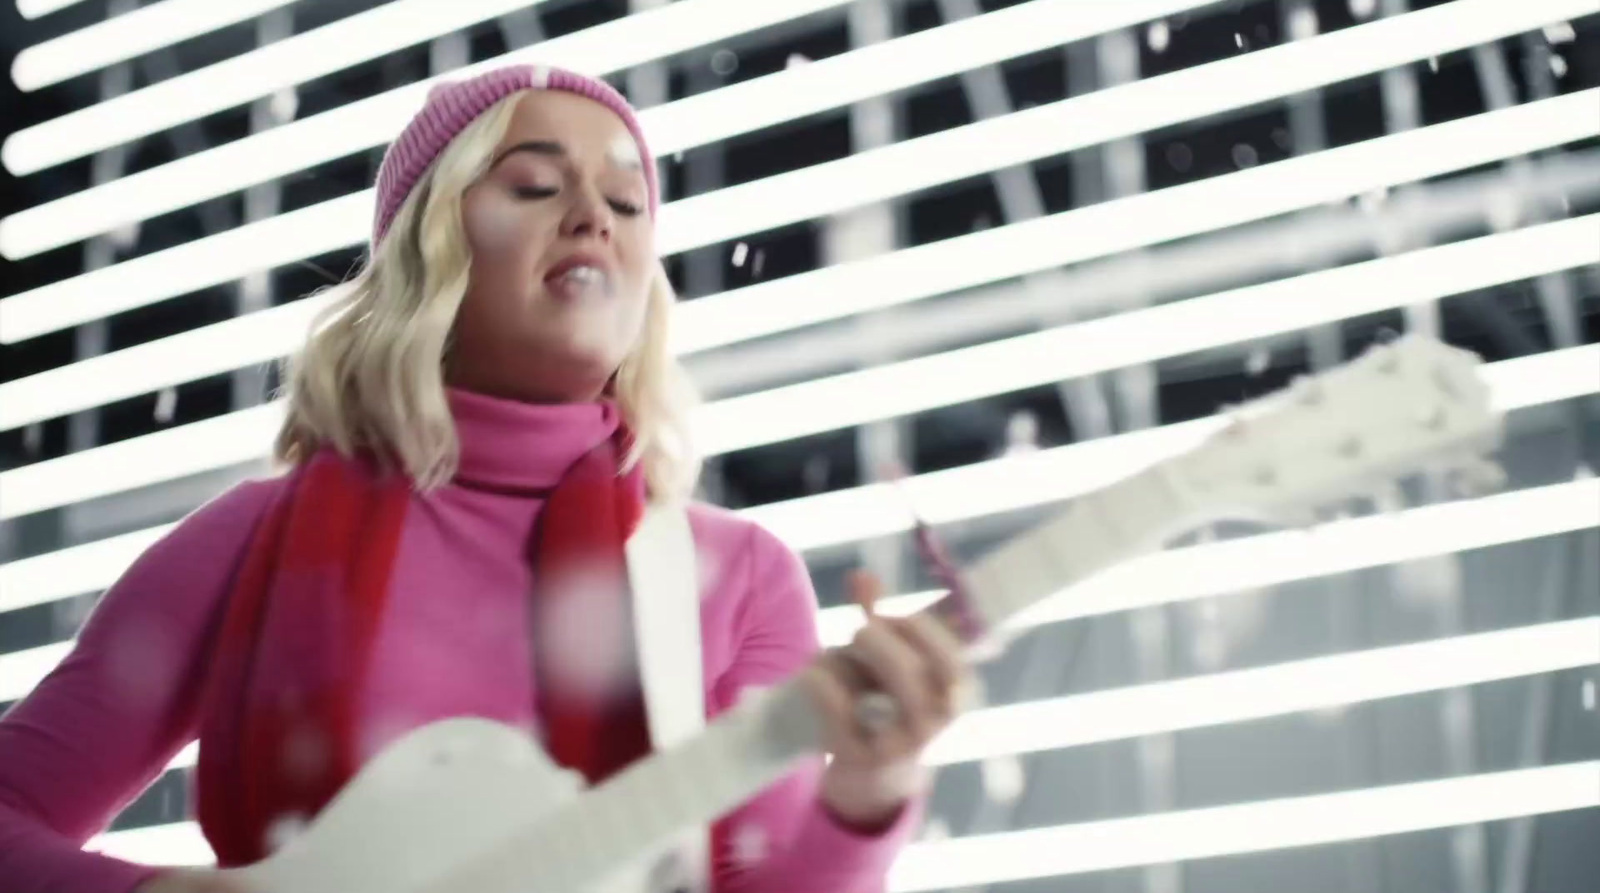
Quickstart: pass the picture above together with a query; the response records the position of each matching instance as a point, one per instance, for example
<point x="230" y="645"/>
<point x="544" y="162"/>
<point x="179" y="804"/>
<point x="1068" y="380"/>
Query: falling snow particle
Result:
<point x="166" y="405"/>
<point x="1363" y="9"/>
<point x="1558" y="65"/>
<point x="283" y="105"/>
<point x="33" y="438"/>
<point x="1433" y="64"/>
<point x="1244" y="155"/>
<point x="1003" y="779"/>
<point x="1302" y="23"/>
<point x="1373" y="201"/>
<point x="758" y="263"/>
<point x="724" y="62"/>
<point x="749" y="846"/>
<point x="740" y="251"/>
<point x="1159" y="36"/>
<point x="1258" y="361"/>
<point x="796" y="60"/>
<point x="1560" y="32"/>
<point x="1238" y="40"/>
<point x="1588" y="694"/>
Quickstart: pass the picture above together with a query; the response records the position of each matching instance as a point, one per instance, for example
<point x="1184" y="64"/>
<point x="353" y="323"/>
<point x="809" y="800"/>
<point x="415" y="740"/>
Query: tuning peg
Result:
<point x="1435" y="418"/>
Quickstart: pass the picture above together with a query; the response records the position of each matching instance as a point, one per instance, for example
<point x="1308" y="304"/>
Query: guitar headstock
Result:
<point x="1403" y="408"/>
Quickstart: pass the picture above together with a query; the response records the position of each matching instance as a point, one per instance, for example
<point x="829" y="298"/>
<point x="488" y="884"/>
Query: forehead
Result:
<point x="585" y="127"/>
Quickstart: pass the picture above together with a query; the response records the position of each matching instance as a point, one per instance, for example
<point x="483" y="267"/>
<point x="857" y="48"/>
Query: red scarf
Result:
<point x="279" y="730"/>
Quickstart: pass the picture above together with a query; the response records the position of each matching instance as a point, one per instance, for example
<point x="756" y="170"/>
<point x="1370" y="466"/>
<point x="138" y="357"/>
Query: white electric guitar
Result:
<point x="470" y="805"/>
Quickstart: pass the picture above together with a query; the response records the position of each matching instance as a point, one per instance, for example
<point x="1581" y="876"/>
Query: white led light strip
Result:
<point x="912" y="385"/>
<point x="1244" y="828"/>
<point x="1142" y="840"/>
<point x="694" y="121"/>
<point x="859" y="179"/>
<point x="131" y="34"/>
<point x="367" y="35"/>
<point x="33" y="9"/>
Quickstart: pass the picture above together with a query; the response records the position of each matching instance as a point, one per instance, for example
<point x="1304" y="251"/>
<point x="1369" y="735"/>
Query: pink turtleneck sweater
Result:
<point x="452" y="642"/>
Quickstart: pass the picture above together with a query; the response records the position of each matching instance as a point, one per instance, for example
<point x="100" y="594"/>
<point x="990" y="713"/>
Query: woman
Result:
<point x="472" y="433"/>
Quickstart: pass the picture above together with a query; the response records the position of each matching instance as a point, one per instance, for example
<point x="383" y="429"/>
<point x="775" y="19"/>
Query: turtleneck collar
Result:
<point x="524" y="446"/>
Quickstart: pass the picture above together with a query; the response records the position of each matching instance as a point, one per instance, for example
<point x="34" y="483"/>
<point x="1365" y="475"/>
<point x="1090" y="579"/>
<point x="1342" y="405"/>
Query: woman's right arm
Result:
<point x="107" y="721"/>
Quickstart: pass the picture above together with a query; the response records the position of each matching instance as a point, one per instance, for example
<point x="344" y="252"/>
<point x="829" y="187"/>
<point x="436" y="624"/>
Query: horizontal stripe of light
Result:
<point x="1317" y="683"/>
<point x="336" y="46"/>
<point x="1257" y="826"/>
<point x="1254" y="827"/>
<point x="1127" y="339"/>
<point x="1271" y="559"/>
<point x="820" y="189"/>
<point x="125" y="36"/>
<point x="33" y="9"/>
<point x="693" y="121"/>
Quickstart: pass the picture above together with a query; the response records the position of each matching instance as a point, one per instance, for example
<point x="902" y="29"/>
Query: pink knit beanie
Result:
<point x="452" y="105"/>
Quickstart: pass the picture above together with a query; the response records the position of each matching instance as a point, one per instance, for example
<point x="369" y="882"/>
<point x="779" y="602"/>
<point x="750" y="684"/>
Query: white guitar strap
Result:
<point x="664" y="573"/>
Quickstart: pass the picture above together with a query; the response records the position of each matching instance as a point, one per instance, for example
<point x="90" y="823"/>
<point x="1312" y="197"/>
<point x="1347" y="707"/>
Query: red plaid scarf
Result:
<point x="279" y="727"/>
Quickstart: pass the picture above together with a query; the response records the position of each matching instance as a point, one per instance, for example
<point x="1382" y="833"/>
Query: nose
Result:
<point x="590" y="216"/>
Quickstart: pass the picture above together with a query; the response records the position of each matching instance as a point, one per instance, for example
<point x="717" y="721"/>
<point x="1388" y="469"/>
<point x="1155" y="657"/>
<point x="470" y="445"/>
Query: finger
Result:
<point x="865" y="589"/>
<point x="835" y="703"/>
<point x="939" y="648"/>
<point x="897" y="668"/>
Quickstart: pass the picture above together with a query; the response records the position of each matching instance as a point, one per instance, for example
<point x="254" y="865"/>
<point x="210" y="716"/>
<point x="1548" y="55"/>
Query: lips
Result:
<point x="580" y="271"/>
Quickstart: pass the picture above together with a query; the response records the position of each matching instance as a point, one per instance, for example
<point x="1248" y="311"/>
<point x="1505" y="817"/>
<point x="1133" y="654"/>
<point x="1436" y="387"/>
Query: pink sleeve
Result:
<point x="784" y="840"/>
<point x="107" y="721"/>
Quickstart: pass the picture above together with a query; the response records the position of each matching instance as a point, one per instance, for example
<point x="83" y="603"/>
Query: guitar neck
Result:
<point x="1095" y="531"/>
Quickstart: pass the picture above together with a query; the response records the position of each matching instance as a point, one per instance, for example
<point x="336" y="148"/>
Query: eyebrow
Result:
<point x="556" y="150"/>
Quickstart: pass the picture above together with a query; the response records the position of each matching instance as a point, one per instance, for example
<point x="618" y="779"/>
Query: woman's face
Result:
<point x="562" y="253"/>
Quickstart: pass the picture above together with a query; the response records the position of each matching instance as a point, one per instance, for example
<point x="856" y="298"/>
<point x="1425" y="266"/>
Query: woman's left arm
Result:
<point x="836" y="827"/>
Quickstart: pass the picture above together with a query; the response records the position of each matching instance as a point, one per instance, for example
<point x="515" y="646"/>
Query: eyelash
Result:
<point x="626" y="209"/>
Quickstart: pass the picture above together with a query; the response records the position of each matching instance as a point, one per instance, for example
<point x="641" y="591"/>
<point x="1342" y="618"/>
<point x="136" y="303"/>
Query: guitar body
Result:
<point x="425" y="805"/>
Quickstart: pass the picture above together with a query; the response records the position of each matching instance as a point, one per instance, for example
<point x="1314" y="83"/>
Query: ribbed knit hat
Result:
<point x="453" y="105"/>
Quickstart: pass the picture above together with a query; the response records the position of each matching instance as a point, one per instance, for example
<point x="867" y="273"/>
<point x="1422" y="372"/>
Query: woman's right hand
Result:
<point x="187" y="881"/>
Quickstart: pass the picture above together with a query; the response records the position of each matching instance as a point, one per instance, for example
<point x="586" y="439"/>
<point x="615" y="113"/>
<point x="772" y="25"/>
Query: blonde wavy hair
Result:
<point x="371" y="374"/>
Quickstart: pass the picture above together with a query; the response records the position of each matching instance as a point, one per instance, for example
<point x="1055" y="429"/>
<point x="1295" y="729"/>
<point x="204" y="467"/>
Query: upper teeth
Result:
<point x="584" y="273"/>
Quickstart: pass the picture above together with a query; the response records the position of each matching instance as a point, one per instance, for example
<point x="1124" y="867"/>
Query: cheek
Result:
<point x="496" y="227"/>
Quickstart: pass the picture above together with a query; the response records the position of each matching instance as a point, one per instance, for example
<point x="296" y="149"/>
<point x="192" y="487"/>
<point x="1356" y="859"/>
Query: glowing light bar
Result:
<point x="74" y="570"/>
<point x="1244" y="828"/>
<point x="1126" y="339"/>
<point x="366" y="35"/>
<point x="697" y="120"/>
<point x="1317" y="683"/>
<point x="821" y="189"/>
<point x="131" y="34"/>
<point x="20" y="671"/>
<point x="33" y="9"/>
<point x="1257" y="826"/>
